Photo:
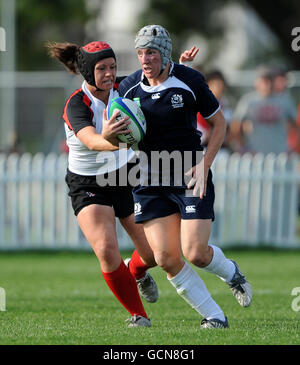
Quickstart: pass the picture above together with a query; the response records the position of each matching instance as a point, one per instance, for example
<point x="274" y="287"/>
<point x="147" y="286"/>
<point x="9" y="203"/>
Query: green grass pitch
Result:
<point x="60" y="298"/>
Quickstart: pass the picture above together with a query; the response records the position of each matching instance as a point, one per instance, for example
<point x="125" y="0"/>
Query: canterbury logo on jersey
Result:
<point x="190" y="209"/>
<point x="155" y="96"/>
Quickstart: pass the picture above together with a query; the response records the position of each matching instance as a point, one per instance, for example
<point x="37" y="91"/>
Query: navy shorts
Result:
<point x="152" y="202"/>
<point x="85" y="191"/>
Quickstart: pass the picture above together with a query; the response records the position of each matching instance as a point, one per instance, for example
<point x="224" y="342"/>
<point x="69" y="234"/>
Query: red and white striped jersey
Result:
<point x="82" y="109"/>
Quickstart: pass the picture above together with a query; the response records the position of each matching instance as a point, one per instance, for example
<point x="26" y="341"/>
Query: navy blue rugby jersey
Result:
<point x="171" y="108"/>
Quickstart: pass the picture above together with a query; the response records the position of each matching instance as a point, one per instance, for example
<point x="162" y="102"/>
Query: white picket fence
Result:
<point x="256" y="203"/>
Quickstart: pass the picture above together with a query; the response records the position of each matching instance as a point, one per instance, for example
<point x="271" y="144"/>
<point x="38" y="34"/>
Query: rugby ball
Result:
<point x="129" y="108"/>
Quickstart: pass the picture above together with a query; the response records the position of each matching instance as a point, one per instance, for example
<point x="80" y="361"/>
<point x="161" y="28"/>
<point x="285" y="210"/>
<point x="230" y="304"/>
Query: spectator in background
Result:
<point x="294" y="135"/>
<point x="280" y="88"/>
<point x="280" y="81"/>
<point x="263" y="117"/>
<point x="218" y="85"/>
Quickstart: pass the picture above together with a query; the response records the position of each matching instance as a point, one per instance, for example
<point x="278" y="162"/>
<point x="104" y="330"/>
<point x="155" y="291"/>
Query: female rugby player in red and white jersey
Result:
<point x="88" y="132"/>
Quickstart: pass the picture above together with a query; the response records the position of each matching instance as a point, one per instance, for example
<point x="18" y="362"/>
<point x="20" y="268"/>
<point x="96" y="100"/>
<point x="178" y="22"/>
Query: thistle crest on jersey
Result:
<point x="177" y="101"/>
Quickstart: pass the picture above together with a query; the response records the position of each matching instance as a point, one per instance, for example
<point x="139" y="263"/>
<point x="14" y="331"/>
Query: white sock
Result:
<point x="192" y="289"/>
<point x="220" y="265"/>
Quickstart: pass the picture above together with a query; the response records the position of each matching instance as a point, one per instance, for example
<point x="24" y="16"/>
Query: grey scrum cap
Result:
<point x="157" y="37"/>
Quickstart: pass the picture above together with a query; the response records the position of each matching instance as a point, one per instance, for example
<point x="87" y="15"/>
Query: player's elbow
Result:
<point x="220" y="122"/>
<point x="98" y="143"/>
<point x="93" y="144"/>
<point x="88" y="137"/>
<point x="90" y="144"/>
<point x="217" y="120"/>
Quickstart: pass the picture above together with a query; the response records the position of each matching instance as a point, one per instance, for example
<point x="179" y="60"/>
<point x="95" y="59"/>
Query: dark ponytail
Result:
<point x="65" y="53"/>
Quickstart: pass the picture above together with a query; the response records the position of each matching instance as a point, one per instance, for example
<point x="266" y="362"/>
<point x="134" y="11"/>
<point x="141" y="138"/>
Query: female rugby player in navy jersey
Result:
<point x="175" y="221"/>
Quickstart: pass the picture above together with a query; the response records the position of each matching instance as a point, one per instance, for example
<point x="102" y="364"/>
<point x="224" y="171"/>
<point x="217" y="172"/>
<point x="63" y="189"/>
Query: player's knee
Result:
<point x="200" y="258"/>
<point x="105" y="251"/>
<point x="149" y="260"/>
<point x="165" y="260"/>
<point x="147" y="256"/>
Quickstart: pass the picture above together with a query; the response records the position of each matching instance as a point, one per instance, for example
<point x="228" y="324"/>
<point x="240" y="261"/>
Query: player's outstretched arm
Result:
<point x="188" y="56"/>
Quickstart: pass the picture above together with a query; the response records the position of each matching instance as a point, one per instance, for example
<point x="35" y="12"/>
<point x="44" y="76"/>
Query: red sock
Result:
<point x="136" y="266"/>
<point x="124" y="287"/>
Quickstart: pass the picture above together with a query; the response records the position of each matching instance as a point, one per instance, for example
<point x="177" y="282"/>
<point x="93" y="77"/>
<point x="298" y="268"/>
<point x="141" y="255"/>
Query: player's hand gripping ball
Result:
<point x="129" y="108"/>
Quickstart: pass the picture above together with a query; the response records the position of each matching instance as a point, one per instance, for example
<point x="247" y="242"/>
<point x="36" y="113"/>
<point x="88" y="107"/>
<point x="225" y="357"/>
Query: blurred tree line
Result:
<point x="38" y="21"/>
<point x="183" y="17"/>
<point x="281" y="16"/>
<point x="61" y="20"/>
